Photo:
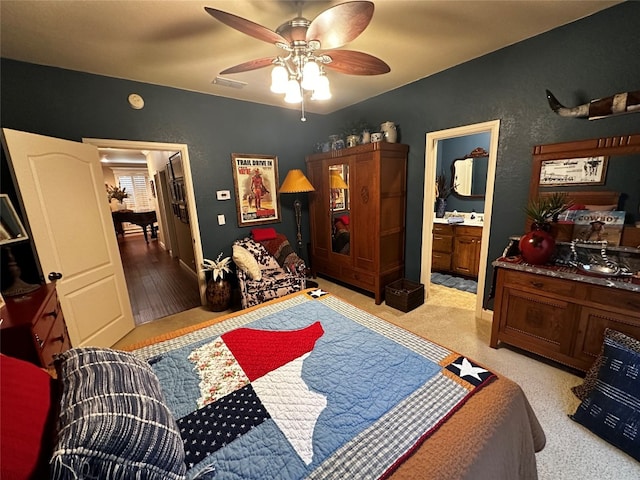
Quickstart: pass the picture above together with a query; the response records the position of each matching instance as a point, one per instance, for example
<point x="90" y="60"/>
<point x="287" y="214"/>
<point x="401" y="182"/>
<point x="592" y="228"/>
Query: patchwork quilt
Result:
<point x="307" y="387"/>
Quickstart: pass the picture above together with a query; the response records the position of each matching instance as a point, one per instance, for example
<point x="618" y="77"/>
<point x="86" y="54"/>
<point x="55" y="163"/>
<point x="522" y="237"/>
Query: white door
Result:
<point x="65" y="202"/>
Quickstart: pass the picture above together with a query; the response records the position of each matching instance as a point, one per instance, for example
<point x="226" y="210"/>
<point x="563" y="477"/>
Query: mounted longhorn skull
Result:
<point x="628" y="102"/>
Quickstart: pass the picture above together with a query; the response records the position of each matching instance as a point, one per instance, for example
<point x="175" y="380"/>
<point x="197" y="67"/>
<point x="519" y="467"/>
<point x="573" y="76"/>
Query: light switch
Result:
<point x="223" y="194"/>
<point x="221" y="220"/>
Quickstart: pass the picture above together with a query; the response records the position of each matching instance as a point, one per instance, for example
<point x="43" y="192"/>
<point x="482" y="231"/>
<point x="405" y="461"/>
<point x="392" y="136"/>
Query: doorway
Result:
<point x="433" y="144"/>
<point x="173" y="236"/>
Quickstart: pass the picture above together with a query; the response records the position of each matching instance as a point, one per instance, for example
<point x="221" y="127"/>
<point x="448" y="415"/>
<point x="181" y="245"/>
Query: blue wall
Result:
<point x="591" y="58"/>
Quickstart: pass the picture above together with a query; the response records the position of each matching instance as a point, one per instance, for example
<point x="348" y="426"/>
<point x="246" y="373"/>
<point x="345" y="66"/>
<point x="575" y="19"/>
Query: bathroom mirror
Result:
<point x="339" y="206"/>
<point x="469" y="174"/>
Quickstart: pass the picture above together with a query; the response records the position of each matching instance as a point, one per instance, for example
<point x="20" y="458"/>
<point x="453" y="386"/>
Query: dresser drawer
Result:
<point x="56" y="342"/>
<point x="440" y="261"/>
<point x="621" y="299"/>
<point x="442" y="243"/>
<point x="442" y="229"/>
<point x="541" y="283"/>
<point x="358" y="278"/>
<point x="469" y="231"/>
<point x="46" y="318"/>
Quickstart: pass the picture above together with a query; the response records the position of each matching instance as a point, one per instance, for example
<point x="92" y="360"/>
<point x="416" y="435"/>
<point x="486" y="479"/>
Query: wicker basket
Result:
<point x="404" y="294"/>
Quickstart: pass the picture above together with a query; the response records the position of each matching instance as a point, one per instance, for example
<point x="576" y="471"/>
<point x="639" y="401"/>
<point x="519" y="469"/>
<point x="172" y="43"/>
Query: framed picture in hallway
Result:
<point x="255" y="180"/>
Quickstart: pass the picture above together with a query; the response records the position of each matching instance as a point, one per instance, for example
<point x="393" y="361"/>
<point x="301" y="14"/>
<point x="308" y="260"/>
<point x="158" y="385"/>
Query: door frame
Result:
<point x="431" y="155"/>
<point x="194" y="225"/>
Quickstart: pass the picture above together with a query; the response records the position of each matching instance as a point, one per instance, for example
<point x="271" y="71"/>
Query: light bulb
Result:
<point x="322" y="90"/>
<point x="279" y="77"/>
<point x="310" y="75"/>
<point x="293" y="94"/>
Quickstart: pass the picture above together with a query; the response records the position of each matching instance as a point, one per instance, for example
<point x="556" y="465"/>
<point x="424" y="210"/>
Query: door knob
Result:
<point x="53" y="276"/>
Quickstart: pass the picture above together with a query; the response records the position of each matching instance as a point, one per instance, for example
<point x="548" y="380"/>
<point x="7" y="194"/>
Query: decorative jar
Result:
<point x="537" y="246"/>
<point x="389" y="132"/>
<point x="352" y="140"/>
<point x="218" y="294"/>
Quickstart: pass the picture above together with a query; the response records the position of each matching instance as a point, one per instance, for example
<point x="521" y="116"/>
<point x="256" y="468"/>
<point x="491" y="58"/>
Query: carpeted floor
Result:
<point x="448" y="317"/>
<point x="459" y="283"/>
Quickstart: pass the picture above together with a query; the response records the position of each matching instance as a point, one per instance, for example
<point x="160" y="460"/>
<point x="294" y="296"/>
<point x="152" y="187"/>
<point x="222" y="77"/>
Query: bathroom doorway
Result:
<point x="434" y="145"/>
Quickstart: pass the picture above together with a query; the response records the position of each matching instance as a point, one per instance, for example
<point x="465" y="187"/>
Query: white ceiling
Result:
<point x="177" y="44"/>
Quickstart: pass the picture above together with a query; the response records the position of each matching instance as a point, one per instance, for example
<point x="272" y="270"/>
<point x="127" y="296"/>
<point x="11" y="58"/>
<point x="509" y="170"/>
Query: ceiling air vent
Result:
<point x="227" y="82"/>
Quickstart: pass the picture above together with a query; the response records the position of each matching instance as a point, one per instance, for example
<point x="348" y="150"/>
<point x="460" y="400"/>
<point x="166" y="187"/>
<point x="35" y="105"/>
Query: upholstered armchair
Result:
<point x="267" y="269"/>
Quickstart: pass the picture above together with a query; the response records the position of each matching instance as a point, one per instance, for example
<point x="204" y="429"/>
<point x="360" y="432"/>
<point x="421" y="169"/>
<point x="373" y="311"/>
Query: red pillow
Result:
<point x="24" y="412"/>
<point x="260" y="234"/>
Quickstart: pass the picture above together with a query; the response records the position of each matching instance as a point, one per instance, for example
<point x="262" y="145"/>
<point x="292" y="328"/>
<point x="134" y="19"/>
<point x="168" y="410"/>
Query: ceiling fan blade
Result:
<point x="340" y="24"/>
<point x="355" y="63"/>
<point x="246" y="26"/>
<point x="250" y="65"/>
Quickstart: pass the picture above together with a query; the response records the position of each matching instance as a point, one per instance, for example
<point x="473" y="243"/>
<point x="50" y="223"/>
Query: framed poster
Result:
<point x="255" y="179"/>
<point x="573" y="171"/>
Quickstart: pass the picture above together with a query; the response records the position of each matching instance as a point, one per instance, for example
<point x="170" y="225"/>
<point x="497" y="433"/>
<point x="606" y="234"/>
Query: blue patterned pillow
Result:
<point x="113" y="422"/>
<point x="612" y="410"/>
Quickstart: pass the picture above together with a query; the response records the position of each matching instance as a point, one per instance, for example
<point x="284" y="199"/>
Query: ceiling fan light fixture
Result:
<point x="300" y="73"/>
<point x="322" y="90"/>
<point x="293" y="94"/>
<point x="279" y="79"/>
<point x="310" y="75"/>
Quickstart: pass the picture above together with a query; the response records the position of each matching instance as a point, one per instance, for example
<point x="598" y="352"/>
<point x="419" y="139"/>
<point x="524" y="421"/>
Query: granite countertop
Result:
<point x="571" y="273"/>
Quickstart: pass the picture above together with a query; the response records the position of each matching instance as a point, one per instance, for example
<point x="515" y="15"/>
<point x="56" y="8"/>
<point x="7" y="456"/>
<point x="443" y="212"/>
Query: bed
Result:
<point x="306" y="386"/>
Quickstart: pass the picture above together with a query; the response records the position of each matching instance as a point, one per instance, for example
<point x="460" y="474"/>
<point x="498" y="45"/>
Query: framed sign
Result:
<point x="255" y="179"/>
<point x="573" y="171"/>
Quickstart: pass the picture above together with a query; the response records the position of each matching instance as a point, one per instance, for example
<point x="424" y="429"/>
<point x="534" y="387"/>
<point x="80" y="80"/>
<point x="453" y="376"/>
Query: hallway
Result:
<point x="158" y="286"/>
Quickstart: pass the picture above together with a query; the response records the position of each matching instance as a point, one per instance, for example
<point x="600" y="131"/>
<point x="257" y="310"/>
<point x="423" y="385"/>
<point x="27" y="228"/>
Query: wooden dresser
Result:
<point x="33" y="327"/>
<point x="456" y="248"/>
<point x="374" y="202"/>
<point x="560" y="318"/>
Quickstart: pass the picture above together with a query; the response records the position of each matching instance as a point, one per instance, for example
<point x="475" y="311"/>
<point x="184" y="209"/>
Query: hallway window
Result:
<point x="138" y="187"/>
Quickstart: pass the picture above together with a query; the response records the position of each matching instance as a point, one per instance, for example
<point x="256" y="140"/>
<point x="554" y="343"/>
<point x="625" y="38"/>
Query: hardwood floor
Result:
<point x="158" y="286"/>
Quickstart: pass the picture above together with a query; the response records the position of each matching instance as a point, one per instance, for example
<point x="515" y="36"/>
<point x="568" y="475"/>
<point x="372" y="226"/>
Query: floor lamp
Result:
<point x="296" y="182"/>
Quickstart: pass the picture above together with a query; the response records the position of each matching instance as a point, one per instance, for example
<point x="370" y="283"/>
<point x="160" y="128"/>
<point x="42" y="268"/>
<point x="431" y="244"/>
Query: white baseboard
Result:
<point x="188" y="269"/>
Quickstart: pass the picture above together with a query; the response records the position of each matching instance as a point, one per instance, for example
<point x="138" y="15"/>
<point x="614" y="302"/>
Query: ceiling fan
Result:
<point x="309" y="46"/>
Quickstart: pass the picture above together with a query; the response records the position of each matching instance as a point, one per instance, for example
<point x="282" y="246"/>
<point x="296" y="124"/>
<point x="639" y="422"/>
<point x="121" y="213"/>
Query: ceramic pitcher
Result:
<point x="389" y="132"/>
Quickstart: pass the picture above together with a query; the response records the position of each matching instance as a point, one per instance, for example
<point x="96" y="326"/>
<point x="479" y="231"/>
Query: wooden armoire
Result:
<point x="357" y="214"/>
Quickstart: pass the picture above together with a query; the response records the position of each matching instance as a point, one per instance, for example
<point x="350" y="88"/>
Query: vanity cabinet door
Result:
<point x="466" y="256"/>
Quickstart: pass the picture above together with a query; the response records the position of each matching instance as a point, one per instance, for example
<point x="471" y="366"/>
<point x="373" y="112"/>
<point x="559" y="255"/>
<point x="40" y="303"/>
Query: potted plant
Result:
<point x="218" y="287"/>
<point x="538" y="245"/>
<point x="545" y="210"/>
<point x="118" y="194"/>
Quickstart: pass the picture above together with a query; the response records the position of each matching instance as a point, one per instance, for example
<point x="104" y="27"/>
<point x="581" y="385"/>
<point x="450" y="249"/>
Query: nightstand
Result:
<point x="33" y="327"/>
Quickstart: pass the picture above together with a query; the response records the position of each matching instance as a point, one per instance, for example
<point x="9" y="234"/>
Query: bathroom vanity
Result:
<point x="456" y="248"/>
